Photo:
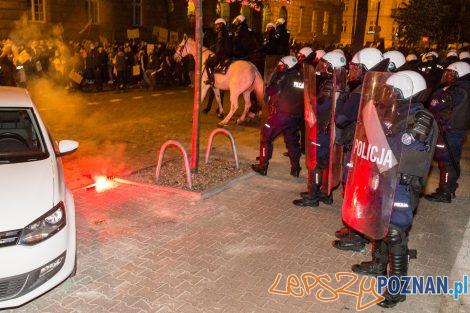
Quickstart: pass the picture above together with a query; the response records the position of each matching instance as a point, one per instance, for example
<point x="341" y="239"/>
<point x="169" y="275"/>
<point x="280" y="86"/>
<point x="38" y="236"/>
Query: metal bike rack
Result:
<point x="229" y="135"/>
<point x="174" y="143"/>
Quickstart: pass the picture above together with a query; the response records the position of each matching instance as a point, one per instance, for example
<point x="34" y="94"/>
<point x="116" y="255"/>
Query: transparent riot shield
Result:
<point x="336" y="151"/>
<point x="310" y="109"/>
<point x="270" y="64"/>
<point x="373" y="169"/>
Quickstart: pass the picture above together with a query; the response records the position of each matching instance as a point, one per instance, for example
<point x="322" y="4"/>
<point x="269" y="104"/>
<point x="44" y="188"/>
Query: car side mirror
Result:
<point x="67" y="147"/>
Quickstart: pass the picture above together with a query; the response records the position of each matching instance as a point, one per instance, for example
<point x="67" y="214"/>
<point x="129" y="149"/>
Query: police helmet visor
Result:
<point x="356" y="72"/>
<point x="324" y="68"/>
<point x="449" y="76"/>
<point x="390" y="99"/>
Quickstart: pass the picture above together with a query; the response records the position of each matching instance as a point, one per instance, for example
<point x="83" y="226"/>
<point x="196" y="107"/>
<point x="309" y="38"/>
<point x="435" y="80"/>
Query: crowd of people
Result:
<point x="98" y="64"/>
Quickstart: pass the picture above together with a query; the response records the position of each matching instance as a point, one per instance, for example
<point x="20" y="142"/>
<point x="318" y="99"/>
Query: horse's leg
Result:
<point x="204" y="90"/>
<point x="246" y="97"/>
<point x="233" y="108"/>
<point x="219" y="101"/>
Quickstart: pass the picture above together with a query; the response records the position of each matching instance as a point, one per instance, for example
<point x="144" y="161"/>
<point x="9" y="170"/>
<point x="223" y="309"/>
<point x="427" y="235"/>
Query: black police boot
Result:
<point x="398" y="258"/>
<point x="352" y="242"/>
<point x="262" y="167"/>
<point x="295" y="171"/>
<point x="439" y="196"/>
<point x="310" y="197"/>
<point x="378" y="265"/>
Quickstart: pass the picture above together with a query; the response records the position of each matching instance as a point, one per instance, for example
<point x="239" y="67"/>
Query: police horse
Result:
<point x="241" y="77"/>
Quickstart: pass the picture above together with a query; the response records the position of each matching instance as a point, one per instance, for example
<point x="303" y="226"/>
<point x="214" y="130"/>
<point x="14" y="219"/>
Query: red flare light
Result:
<point x="102" y="183"/>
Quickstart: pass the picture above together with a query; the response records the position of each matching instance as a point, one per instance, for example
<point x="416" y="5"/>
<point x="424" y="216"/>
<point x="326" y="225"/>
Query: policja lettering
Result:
<point x="370" y="153"/>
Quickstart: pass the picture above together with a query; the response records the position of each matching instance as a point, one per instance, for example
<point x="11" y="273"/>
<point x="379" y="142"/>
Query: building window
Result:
<point x="301" y="20"/>
<point x="137" y="12"/>
<point x="374" y="5"/>
<point x="326" y="21"/>
<point x="371" y="27"/>
<point x="93" y="11"/>
<point x="36" y="10"/>
<point x="346" y="5"/>
<point x="314" y="21"/>
<point x="345" y="26"/>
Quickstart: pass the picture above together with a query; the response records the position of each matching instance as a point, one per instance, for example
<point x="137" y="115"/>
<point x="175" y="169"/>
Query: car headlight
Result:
<point x="45" y="226"/>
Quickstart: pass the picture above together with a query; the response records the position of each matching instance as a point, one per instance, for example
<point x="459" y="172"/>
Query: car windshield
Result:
<point x="20" y="136"/>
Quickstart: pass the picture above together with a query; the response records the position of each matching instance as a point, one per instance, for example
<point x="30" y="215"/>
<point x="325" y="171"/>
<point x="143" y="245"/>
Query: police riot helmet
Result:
<point x="319" y="54"/>
<point x="339" y="51"/>
<point x="397" y="60"/>
<point x="286" y="63"/>
<point x="452" y="54"/>
<point x="430" y="56"/>
<point x="269" y="26"/>
<point x="407" y="84"/>
<point x="455" y="71"/>
<point x="280" y="21"/>
<point x="464" y="55"/>
<point x="328" y="63"/>
<point x="238" y="20"/>
<point x="220" y="21"/>
<point x="411" y="57"/>
<point x="365" y="60"/>
<point x="304" y="53"/>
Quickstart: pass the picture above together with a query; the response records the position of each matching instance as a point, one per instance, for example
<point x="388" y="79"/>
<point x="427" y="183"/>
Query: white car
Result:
<point x="37" y="211"/>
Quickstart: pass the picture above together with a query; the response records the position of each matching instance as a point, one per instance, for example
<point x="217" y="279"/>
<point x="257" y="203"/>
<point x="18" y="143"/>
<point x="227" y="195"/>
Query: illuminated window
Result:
<point x="137" y="12"/>
<point x="371" y="27"/>
<point x="36" y="10"/>
<point x="326" y="21"/>
<point x="374" y="4"/>
<point x="314" y="21"/>
<point x="93" y="11"/>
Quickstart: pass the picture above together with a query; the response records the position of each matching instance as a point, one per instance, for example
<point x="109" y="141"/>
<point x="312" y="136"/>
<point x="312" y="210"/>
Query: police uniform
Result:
<point x="222" y="51"/>
<point x="243" y="41"/>
<point x="451" y="108"/>
<point x="286" y="109"/>
<point x="281" y="40"/>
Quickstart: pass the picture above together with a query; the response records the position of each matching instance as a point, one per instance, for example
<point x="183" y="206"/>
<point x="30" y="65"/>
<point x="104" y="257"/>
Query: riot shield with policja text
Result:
<point x="336" y="150"/>
<point x="373" y="168"/>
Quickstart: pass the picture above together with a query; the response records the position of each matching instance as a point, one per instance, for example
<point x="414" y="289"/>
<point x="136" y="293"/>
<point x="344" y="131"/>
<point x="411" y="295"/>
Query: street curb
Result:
<point x="187" y="193"/>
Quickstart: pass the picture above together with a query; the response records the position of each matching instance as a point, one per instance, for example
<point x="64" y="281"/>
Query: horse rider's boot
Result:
<point x="210" y="76"/>
<point x="262" y="167"/>
<point x="378" y="265"/>
<point x="398" y="258"/>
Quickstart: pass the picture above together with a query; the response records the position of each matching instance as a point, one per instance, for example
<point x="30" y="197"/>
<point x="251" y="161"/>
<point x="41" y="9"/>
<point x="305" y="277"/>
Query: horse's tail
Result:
<point x="258" y="88"/>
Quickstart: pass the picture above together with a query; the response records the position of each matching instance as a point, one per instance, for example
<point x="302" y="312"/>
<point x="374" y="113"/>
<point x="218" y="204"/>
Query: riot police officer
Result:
<point x="367" y="59"/>
<point x="412" y="63"/>
<point x="306" y="55"/>
<point x="318" y="141"/>
<point x="286" y="108"/>
<point x="281" y="37"/>
<point x="451" y="108"/>
<point x="223" y="49"/>
<point x="410" y="133"/>
<point x="243" y="38"/>
<point x="464" y="56"/>
<point x="268" y="47"/>
<point x="431" y="70"/>
<point x="396" y="60"/>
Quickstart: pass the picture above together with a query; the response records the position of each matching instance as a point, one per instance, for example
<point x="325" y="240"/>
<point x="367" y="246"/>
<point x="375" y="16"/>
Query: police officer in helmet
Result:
<point x="222" y="51"/>
<point x="281" y="37"/>
<point x="367" y="59"/>
<point x="268" y="39"/>
<point x="451" y="108"/>
<point x="413" y="136"/>
<point x="243" y="38"/>
<point x="318" y="143"/>
<point x="286" y="109"/>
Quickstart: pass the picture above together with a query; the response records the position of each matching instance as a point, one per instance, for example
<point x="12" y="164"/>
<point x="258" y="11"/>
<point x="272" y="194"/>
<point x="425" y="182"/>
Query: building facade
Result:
<point x="380" y="24"/>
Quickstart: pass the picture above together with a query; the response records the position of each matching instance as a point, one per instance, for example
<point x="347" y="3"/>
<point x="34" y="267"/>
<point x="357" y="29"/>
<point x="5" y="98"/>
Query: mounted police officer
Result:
<point x="367" y="59"/>
<point x="317" y="123"/>
<point x="268" y="47"/>
<point x="392" y="154"/>
<point x="222" y="49"/>
<point x="451" y="108"/>
<point x="243" y="39"/>
<point x="281" y="37"/>
<point x="286" y="108"/>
